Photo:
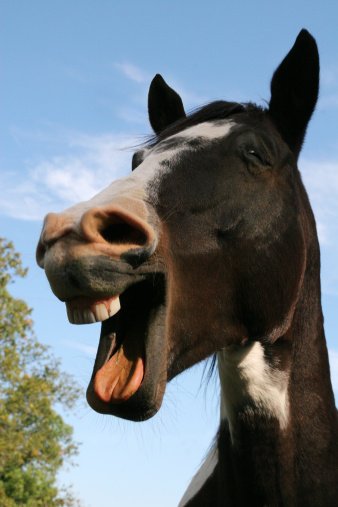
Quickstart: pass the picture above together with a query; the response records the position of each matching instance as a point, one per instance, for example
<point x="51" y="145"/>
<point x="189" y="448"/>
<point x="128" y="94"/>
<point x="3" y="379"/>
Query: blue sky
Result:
<point x="75" y="77"/>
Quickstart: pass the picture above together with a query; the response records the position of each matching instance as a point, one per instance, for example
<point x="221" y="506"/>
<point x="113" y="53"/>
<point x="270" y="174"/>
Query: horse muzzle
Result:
<point x="89" y="250"/>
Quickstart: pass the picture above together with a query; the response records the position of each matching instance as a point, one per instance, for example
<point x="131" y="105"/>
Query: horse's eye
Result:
<point x="256" y="161"/>
<point x="256" y="155"/>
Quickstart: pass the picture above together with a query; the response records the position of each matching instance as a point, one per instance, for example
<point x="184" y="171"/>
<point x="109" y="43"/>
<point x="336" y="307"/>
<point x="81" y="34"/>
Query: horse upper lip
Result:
<point x="93" y="276"/>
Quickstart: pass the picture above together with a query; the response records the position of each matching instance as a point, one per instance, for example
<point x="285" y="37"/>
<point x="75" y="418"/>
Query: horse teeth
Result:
<point x="75" y="316"/>
<point x="78" y="319"/>
<point x="69" y="314"/>
<point x="88" y="316"/>
<point x="114" y="306"/>
<point x="101" y="312"/>
<point x="94" y="313"/>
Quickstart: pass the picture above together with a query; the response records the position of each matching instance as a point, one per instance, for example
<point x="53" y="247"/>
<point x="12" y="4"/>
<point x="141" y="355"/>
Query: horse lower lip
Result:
<point x="88" y="311"/>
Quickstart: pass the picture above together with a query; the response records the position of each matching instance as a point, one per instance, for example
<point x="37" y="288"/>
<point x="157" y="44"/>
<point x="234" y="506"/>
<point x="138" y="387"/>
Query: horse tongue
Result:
<point x="122" y="375"/>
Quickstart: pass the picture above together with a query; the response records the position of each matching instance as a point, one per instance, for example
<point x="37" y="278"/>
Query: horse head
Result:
<point x="202" y="247"/>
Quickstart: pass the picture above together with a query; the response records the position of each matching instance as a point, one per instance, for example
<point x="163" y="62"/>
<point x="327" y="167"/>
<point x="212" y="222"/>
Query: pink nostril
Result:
<point x="122" y="230"/>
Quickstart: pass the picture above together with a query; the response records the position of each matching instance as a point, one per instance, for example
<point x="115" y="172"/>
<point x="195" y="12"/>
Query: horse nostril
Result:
<point x="132" y="239"/>
<point x="119" y="232"/>
<point x="123" y="233"/>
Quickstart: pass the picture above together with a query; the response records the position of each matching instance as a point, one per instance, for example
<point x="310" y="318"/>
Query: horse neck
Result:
<point x="278" y="403"/>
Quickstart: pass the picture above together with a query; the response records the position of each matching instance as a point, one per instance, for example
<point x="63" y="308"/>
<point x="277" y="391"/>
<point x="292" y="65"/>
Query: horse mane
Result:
<point x="217" y="110"/>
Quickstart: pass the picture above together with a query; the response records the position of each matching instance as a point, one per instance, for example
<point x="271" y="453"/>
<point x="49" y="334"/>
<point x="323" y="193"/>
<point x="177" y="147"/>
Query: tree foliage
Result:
<point x="34" y="440"/>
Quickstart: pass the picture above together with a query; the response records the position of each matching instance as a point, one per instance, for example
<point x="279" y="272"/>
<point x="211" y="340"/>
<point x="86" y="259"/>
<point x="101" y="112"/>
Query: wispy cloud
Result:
<point x="88" y="350"/>
<point x="89" y="164"/>
<point x="190" y="98"/>
<point x="134" y="73"/>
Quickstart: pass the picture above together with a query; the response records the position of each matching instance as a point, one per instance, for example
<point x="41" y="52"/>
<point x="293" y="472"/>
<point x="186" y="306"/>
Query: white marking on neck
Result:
<point x="250" y="384"/>
<point x="201" y="477"/>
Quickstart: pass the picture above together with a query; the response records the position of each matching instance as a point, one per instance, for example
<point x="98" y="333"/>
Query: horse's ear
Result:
<point x="165" y="106"/>
<point x="294" y="90"/>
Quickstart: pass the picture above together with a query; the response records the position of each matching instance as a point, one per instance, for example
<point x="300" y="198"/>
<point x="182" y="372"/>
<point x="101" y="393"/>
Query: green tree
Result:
<point x="34" y="440"/>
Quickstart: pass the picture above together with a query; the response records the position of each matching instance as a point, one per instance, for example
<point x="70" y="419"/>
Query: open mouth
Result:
<point x="129" y="374"/>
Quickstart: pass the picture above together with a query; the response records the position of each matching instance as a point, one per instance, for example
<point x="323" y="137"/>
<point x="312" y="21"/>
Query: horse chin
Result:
<point x="130" y="370"/>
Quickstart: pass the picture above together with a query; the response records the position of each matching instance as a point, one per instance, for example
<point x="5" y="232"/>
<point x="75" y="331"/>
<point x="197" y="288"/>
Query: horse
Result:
<point x="208" y="248"/>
